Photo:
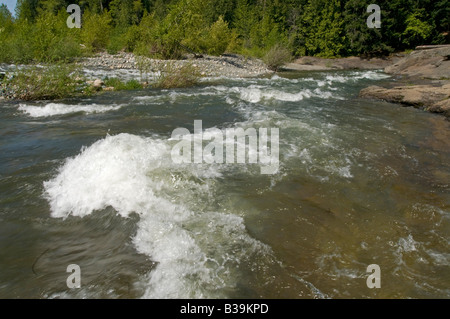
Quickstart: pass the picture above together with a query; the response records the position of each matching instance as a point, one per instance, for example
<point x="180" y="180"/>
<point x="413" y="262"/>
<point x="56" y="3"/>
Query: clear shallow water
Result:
<point x="91" y="182"/>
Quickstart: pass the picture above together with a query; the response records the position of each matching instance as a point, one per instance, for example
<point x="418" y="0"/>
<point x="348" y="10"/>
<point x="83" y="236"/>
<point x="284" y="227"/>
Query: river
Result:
<point x="92" y="182"/>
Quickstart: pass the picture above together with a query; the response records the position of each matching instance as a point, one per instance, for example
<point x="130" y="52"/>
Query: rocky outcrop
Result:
<point x="426" y="74"/>
<point x="308" y="63"/>
<point x="432" y="63"/>
<point x="431" y="98"/>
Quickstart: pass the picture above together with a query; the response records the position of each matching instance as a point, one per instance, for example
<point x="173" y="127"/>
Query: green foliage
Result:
<point x="126" y="12"/>
<point x="119" y="85"/>
<point x="277" y="56"/>
<point x="145" y="39"/>
<point x="417" y="30"/>
<point x="52" y="40"/>
<point x="55" y="82"/>
<point x="117" y="40"/>
<point x="360" y="40"/>
<point x="26" y="9"/>
<point x="46" y="40"/>
<point x="10" y="47"/>
<point x="96" y="30"/>
<point x="185" y="26"/>
<point x="6" y="20"/>
<point x="144" y="67"/>
<point x="244" y="20"/>
<point x="323" y="28"/>
<point x="219" y="37"/>
<point x="169" y="29"/>
<point x="177" y="77"/>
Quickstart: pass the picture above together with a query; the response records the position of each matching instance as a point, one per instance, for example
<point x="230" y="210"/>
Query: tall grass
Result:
<point x="39" y="83"/>
<point x="177" y="77"/>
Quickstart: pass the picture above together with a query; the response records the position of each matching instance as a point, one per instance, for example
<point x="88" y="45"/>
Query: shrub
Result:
<point x="277" y="56"/>
<point x="144" y="66"/>
<point x="146" y="39"/>
<point x="16" y="43"/>
<point x="417" y="31"/>
<point x="219" y="37"/>
<point x="96" y="30"/>
<point x="53" y="40"/>
<point x="120" y="85"/>
<point x="117" y="41"/>
<point x="53" y="83"/>
<point x="177" y="77"/>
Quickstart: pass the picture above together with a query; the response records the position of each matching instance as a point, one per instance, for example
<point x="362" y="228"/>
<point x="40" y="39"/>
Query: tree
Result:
<point x="244" y="19"/>
<point x="218" y="38"/>
<point x="26" y="9"/>
<point x="361" y="40"/>
<point x="417" y="29"/>
<point x="96" y="30"/>
<point x="126" y="12"/>
<point x="322" y="28"/>
<point x="6" y="18"/>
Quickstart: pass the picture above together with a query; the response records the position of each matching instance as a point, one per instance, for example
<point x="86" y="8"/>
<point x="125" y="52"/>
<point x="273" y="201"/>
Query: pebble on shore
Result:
<point x="229" y="65"/>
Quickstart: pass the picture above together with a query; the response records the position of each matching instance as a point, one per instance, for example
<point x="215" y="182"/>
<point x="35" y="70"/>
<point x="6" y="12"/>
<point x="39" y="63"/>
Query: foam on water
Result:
<point x="53" y="109"/>
<point x="197" y="252"/>
<point x="330" y="79"/>
<point x="250" y="90"/>
<point x="254" y="94"/>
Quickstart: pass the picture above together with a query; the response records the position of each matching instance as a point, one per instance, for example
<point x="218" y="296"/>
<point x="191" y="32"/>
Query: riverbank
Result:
<point x="227" y="65"/>
<point x="145" y="71"/>
<point x="309" y="63"/>
<point x="420" y="79"/>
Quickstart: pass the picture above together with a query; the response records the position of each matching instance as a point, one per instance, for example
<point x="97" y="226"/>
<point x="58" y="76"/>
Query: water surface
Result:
<point x="91" y="182"/>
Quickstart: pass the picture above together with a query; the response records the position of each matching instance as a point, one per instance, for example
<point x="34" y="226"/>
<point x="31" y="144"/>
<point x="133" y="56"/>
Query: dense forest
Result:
<point x="169" y="29"/>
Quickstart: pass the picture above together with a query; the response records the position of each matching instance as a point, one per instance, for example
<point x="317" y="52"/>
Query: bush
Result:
<point x="16" y="43"/>
<point x="145" y="39"/>
<point x="417" y="31"/>
<point x="96" y="30"/>
<point x="47" y="40"/>
<point x="219" y="37"/>
<point x="181" y="77"/>
<point x="145" y="67"/>
<point x="53" y="83"/>
<point x="120" y="85"/>
<point x="53" y="40"/>
<point x="277" y="56"/>
<point x="117" y="41"/>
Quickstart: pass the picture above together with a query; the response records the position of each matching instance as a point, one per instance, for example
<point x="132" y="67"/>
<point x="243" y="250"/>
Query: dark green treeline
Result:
<point x="168" y="29"/>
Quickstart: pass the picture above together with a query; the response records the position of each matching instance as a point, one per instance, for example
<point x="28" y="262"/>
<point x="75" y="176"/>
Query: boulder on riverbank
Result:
<point x="426" y="77"/>
<point x="430" y="62"/>
<point x="432" y="98"/>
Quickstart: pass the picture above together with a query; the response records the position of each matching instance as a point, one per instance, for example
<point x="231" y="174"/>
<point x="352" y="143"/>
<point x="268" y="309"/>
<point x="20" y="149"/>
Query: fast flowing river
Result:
<point x="92" y="182"/>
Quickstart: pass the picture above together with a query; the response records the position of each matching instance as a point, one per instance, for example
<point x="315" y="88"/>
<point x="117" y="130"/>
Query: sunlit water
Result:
<point x="91" y="182"/>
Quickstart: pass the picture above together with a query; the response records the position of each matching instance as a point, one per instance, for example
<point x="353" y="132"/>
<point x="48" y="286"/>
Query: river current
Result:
<point x="92" y="182"/>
